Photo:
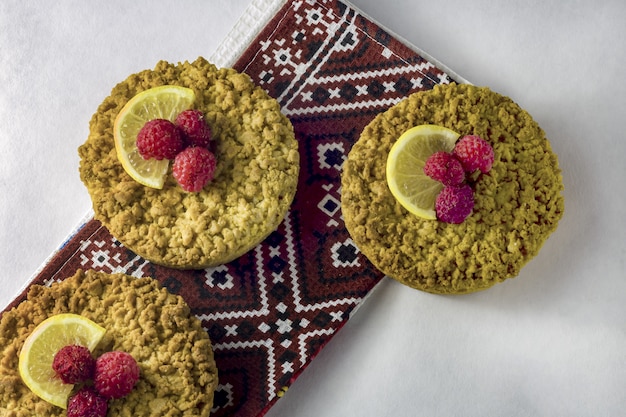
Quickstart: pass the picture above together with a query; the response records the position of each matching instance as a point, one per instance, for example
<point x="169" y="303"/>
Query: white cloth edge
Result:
<point x="258" y="14"/>
<point x="457" y="77"/>
<point x="249" y="25"/>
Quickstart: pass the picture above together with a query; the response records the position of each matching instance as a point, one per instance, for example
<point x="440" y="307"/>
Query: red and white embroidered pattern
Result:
<point x="269" y="312"/>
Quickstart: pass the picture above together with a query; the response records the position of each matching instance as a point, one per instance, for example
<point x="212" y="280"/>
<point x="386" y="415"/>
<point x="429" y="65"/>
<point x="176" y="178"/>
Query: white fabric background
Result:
<point x="551" y="342"/>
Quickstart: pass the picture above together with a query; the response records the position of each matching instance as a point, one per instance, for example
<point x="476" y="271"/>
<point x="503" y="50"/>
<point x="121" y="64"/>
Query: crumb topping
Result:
<point x="178" y="372"/>
<point x="255" y="178"/>
<point x="517" y="204"/>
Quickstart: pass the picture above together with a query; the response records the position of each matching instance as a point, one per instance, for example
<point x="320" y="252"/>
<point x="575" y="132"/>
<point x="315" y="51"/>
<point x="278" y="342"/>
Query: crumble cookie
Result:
<point x="178" y="374"/>
<point x="517" y="204"/>
<point x="255" y="179"/>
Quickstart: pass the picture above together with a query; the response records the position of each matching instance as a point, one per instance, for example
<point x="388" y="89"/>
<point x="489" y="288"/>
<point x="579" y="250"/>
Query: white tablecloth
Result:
<point x="551" y="342"/>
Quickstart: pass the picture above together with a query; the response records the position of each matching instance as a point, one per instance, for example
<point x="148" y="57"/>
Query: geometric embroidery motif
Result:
<point x="345" y="254"/>
<point x="219" y="277"/>
<point x="331" y="155"/>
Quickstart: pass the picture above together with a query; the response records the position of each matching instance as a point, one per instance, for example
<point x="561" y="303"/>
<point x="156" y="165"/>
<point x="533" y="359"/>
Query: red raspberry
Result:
<point x="454" y="204"/>
<point x="193" y="168"/>
<point x="74" y="364"/>
<point x="474" y="153"/>
<point x="196" y="130"/>
<point x="159" y="139"/>
<point x="444" y="167"/>
<point x="116" y="374"/>
<point x="87" y="403"/>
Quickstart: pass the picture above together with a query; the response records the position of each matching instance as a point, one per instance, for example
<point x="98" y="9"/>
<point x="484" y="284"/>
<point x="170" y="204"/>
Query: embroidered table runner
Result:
<point x="270" y="312"/>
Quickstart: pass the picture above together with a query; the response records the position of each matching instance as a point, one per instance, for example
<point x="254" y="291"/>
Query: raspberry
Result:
<point x="444" y="167"/>
<point x="159" y="139"/>
<point x="87" y="403"/>
<point x="74" y="364"/>
<point x="193" y="168"/>
<point x="474" y="153"/>
<point x="116" y="374"/>
<point x="196" y="130"/>
<point x="454" y="204"/>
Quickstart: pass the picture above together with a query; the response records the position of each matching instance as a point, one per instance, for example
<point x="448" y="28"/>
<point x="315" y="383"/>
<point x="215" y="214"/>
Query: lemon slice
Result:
<point x="405" y="167"/>
<point x="39" y="349"/>
<point x="164" y="102"/>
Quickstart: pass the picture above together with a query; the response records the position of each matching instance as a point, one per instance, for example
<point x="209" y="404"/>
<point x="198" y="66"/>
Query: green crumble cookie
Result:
<point x="254" y="182"/>
<point x="178" y="374"/>
<point x="517" y="204"/>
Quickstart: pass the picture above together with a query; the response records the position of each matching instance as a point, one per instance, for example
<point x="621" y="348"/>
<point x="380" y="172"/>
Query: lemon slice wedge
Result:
<point x="39" y="349"/>
<point x="164" y="102"/>
<point x="413" y="189"/>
